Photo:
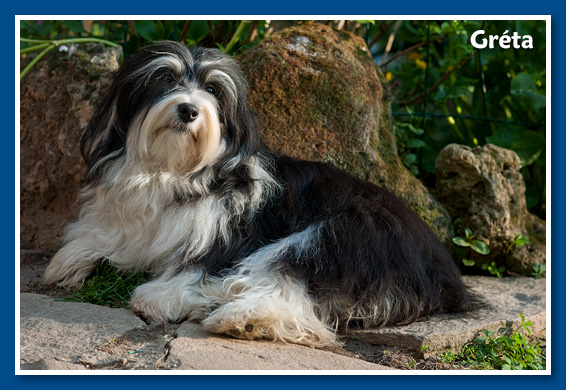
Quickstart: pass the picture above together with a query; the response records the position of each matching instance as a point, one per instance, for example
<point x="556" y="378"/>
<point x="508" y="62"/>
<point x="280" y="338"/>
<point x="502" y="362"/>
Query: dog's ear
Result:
<point x="247" y="124"/>
<point x="104" y="139"/>
<point x="241" y="124"/>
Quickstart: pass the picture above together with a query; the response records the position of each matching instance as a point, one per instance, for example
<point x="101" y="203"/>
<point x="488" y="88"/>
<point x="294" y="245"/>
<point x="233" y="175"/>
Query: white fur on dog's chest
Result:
<point x="142" y="224"/>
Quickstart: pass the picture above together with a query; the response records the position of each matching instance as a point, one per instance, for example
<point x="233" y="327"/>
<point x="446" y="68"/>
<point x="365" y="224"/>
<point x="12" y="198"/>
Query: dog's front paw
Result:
<point x="64" y="271"/>
<point x="244" y="321"/>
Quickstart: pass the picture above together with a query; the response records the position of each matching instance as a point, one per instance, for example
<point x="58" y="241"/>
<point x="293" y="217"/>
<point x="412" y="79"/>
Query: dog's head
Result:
<point x="174" y="109"/>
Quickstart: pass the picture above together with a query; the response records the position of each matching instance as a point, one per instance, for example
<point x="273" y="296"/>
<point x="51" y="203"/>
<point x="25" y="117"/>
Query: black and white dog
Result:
<point x="250" y="243"/>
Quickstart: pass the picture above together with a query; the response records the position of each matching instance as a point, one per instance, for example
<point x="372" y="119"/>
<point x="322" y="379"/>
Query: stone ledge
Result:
<point x="506" y="298"/>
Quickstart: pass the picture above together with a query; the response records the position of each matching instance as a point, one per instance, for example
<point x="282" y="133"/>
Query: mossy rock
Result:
<point x="320" y="96"/>
<point x="485" y="188"/>
<point x="57" y="98"/>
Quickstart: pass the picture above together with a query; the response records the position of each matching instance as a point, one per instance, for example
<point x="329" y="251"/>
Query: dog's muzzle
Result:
<point x="187" y="112"/>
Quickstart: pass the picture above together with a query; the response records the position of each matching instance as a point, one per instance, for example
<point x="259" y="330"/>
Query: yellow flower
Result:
<point x="389" y="76"/>
<point x="420" y="63"/>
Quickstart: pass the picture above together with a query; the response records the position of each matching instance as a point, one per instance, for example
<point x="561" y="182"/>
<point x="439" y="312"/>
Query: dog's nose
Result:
<point x="187" y="112"/>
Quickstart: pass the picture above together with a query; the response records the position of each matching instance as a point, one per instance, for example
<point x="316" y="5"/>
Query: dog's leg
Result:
<point x="273" y="308"/>
<point x="187" y="295"/>
<point x="264" y="302"/>
<point x="72" y="263"/>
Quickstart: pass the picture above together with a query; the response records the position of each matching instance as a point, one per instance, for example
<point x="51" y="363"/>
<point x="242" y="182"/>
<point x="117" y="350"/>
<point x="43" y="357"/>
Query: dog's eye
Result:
<point x="167" y="78"/>
<point x="210" y="90"/>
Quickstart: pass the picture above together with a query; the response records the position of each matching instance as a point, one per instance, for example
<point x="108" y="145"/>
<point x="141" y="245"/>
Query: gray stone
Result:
<point x="484" y="187"/>
<point x="76" y="336"/>
<point x="505" y="299"/>
<point x="195" y="349"/>
<point x="68" y="331"/>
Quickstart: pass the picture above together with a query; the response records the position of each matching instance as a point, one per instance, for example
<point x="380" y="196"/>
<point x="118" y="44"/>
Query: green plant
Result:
<point x="107" y="287"/>
<point x="46" y="46"/>
<point x="231" y="36"/>
<point x="505" y="352"/>
<point x="408" y="144"/>
<point x="538" y="270"/>
<point x="494" y="269"/>
<point x="468" y="96"/>
<point x="519" y="241"/>
<point x="469" y="242"/>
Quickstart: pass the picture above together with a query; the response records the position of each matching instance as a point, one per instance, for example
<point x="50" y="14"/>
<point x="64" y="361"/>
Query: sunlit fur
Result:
<point x="250" y="243"/>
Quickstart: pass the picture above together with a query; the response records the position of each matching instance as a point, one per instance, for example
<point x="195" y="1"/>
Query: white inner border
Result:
<point x="547" y="18"/>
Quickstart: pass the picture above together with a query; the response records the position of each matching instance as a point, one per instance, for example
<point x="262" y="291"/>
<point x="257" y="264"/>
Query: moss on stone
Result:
<point x="320" y="96"/>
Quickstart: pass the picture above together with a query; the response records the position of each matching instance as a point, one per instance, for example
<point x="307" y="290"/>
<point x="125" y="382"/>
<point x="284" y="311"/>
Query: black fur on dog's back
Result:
<point x="375" y="255"/>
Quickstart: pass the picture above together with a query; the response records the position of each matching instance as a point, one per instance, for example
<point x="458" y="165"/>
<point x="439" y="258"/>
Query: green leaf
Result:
<point x="197" y="30"/>
<point x="410" y="159"/>
<point x="468" y="263"/>
<point x="469" y="233"/>
<point x="460" y="241"/>
<point x="416" y="130"/>
<point x="480" y="247"/>
<point x="75" y="25"/>
<point x="519" y="240"/>
<point x="526" y="143"/>
<point x="415" y="143"/>
<point x="146" y="29"/>
<point x="160" y="29"/>
<point x="524" y="89"/>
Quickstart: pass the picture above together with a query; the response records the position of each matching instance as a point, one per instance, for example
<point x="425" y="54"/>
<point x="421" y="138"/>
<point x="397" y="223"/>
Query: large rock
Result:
<point x="319" y="96"/>
<point x="57" y="99"/>
<point x="484" y="187"/>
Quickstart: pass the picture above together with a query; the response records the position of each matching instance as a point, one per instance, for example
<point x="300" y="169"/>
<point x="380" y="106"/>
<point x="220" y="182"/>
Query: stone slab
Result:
<point x="55" y="334"/>
<point x="195" y="349"/>
<point x="505" y="299"/>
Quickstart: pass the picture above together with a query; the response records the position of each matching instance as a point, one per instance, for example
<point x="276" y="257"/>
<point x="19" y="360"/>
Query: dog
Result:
<point x="252" y="244"/>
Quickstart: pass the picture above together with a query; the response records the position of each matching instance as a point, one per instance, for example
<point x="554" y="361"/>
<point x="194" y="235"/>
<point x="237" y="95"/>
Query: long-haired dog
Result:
<point x="250" y="243"/>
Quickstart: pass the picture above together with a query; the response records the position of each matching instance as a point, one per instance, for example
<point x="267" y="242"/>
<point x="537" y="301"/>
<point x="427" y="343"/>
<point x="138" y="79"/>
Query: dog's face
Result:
<point x="171" y="109"/>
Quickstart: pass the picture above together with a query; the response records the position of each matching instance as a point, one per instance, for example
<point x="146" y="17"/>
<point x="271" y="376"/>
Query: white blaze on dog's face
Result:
<point x="180" y="133"/>
<point x="177" y="126"/>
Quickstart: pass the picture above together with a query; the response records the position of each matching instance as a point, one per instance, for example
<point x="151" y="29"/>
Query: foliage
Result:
<point x="538" y="270"/>
<point x="469" y="242"/>
<point x="469" y="96"/>
<point x="107" y="287"/>
<point x="514" y="98"/>
<point x="231" y="36"/>
<point x="494" y="269"/>
<point x="505" y="352"/>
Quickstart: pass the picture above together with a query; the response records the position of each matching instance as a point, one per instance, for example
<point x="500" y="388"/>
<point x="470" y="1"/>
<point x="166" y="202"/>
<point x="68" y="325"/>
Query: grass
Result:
<point x="107" y="287"/>
<point x="504" y="352"/>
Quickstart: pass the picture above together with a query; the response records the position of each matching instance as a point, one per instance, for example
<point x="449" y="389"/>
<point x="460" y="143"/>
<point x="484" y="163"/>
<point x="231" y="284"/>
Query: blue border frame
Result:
<point x="318" y="7"/>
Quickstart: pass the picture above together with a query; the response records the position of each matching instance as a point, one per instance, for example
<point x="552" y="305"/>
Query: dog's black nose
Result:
<point x="187" y="112"/>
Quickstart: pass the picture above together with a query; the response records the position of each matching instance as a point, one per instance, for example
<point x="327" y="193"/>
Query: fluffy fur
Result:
<point x="250" y="243"/>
